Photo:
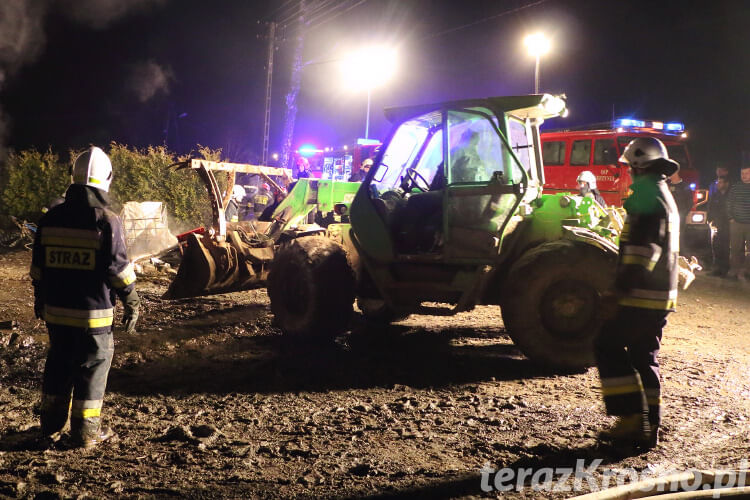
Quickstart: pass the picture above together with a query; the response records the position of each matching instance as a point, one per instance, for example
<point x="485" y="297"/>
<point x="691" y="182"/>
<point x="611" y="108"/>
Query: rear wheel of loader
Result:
<point x="551" y="303"/>
<point x="311" y="286"/>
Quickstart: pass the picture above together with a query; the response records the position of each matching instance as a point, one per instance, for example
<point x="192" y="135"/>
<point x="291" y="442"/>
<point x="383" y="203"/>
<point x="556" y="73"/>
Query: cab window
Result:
<point x="580" y="152"/>
<point x="403" y="150"/>
<point x="553" y="152"/>
<point x="604" y="152"/>
<point x="520" y="142"/>
<point x="476" y="152"/>
<point x="431" y="160"/>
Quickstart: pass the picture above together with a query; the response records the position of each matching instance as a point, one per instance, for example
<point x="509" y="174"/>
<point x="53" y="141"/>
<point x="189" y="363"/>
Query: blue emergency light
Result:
<point x="308" y="150"/>
<point x="674" y="127"/>
<point x="629" y="122"/>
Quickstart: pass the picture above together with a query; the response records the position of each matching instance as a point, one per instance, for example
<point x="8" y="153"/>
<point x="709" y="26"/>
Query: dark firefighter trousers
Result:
<point x="77" y="362"/>
<point x="626" y="354"/>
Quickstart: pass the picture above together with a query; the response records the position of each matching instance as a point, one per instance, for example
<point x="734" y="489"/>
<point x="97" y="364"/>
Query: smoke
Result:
<point x="22" y="36"/>
<point x="147" y="79"/>
<point x="21" y="41"/>
<point x="99" y="14"/>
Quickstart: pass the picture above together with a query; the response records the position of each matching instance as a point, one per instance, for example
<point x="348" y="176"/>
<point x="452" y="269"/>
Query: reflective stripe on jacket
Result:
<point x="79" y="259"/>
<point x="647" y="270"/>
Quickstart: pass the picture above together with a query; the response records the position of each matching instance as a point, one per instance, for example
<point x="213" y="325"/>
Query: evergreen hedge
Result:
<point x="30" y="180"/>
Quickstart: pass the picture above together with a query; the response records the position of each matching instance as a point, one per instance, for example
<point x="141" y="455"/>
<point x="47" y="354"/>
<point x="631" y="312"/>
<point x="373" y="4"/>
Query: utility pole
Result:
<point x="269" y="78"/>
<point x="294" y="86"/>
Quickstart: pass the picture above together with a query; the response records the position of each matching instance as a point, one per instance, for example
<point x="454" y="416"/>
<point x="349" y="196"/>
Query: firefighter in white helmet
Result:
<point x="587" y="187"/>
<point x="79" y="264"/>
<point x="232" y="212"/>
<point x="645" y="292"/>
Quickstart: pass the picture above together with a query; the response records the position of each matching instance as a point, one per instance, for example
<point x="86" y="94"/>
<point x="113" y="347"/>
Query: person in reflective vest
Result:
<point x="79" y="263"/>
<point x="645" y="292"/>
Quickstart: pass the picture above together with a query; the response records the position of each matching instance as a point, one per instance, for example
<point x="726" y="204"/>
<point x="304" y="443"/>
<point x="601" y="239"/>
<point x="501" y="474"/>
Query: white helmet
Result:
<point x="644" y="151"/>
<point x="238" y="192"/>
<point x="93" y="168"/>
<point x="588" y="177"/>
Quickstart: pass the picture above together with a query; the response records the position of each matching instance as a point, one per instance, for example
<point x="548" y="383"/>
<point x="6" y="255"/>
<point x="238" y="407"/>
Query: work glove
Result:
<point x="131" y="303"/>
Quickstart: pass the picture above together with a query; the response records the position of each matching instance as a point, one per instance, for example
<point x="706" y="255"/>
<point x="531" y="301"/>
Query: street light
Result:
<point x="367" y="69"/>
<point x="537" y="44"/>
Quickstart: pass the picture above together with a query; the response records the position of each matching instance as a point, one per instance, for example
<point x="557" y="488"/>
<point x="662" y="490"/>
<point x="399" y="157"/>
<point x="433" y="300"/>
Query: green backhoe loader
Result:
<point x="450" y="216"/>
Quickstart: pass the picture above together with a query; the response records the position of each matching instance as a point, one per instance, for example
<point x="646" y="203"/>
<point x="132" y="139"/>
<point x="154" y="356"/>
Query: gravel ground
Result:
<point x="210" y="401"/>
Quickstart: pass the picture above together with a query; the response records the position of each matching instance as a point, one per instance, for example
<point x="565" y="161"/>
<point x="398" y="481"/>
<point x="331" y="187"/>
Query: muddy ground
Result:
<point x="210" y="401"/>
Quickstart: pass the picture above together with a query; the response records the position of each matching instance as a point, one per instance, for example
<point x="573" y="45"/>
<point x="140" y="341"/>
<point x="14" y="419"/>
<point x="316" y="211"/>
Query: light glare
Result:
<point x="537" y="44"/>
<point x="369" y="68"/>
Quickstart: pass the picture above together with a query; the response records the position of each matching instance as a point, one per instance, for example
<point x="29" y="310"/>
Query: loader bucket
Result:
<point x="209" y="267"/>
<point x="221" y="259"/>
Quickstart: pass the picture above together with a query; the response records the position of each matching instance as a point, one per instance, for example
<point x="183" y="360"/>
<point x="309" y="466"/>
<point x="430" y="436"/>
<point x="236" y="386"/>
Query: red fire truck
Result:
<point x="336" y="164"/>
<point x="567" y="153"/>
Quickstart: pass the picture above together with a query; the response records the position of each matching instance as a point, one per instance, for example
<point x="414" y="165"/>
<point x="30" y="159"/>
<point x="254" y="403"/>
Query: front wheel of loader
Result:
<point x="551" y="302"/>
<point x="311" y="286"/>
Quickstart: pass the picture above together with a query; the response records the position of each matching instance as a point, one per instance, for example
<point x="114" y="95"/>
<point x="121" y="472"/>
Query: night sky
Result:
<point x="74" y="72"/>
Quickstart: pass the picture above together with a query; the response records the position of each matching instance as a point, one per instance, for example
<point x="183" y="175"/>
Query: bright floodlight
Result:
<point x="537" y="44"/>
<point x="369" y="68"/>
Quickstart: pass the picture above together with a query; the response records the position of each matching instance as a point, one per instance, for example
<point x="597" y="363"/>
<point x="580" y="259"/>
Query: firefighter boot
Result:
<point x="630" y="429"/>
<point x="88" y="432"/>
<point x="54" y="414"/>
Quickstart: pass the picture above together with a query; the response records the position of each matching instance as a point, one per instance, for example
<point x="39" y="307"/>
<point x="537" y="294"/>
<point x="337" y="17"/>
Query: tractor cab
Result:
<point x="450" y="177"/>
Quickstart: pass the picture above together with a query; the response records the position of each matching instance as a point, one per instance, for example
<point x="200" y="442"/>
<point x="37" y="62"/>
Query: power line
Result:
<point x="293" y="14"/>
<point x="315" y="10"/>
<point x="313" y="26"/>
<point x="483" y="20"/>
<point x="278" y="11"/>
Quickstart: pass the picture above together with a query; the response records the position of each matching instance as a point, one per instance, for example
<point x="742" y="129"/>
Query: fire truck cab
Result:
<point x="567" y="153"/>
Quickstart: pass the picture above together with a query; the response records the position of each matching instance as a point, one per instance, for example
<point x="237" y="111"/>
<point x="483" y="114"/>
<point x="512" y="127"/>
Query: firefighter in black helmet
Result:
<point x="78" y="264"/>
<point x="645" y="292"/>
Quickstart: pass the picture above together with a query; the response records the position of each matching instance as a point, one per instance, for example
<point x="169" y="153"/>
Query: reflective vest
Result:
<point x="647" y="270"/>
<point x="79" y="260"/>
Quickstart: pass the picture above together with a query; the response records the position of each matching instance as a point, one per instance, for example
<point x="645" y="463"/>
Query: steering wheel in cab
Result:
<point x="412" y="179"/>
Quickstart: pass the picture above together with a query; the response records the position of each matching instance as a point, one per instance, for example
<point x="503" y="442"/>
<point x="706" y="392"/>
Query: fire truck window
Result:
<point x="604" y="152"/>
<point x="580" y="153"/>
<point x="553" y="152"/>
<point x="623" y="141"/>
<point x="678" y="154"/>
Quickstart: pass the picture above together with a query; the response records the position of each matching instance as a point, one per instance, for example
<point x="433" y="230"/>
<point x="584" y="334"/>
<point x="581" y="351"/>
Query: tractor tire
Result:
<point x="377" y="311"/>
<point x="311" y="287"/>
<point x="551" y="302"/>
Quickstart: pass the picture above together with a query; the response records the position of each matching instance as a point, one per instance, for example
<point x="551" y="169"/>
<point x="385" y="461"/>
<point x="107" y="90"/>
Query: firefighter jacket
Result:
<point x="79" y="260"/>
<point x="261" y="200"/>
<point x="647" y="269"/>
